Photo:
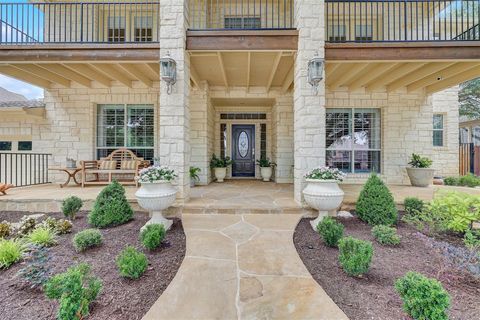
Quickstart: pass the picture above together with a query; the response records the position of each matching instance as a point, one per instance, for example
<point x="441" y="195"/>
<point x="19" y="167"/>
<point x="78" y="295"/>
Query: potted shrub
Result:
<point x="219" y="166"/>
<point x="266" y="168"/>
<point x="322" y="192"/>
<point x="419" y="172"/>
<point x="156" y="193"/>
<point x="194" y="175"/>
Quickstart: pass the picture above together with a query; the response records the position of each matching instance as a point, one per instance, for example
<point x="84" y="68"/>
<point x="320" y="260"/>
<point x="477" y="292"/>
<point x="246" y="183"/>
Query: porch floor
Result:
<point x="233" y="196"/>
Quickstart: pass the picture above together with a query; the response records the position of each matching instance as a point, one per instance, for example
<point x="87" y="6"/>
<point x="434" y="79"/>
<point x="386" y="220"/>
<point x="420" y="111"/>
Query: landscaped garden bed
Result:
<point x="120" y="298"/>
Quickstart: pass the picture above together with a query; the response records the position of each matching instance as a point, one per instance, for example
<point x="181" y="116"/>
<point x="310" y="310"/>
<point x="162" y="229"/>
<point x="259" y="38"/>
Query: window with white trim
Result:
<point x="143" y="28"/>
<point x="337" y="33"/>
<point x="438" y="130"/>
<point x="353" y="139"/>
<point x="363" y="32"/>
<point x="116" y="29"/>
<point x="126" y="126"/>
<point x="242" y="22"/>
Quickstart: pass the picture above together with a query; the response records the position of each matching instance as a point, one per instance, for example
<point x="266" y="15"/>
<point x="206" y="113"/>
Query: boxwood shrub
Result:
<point x="131" y="263"/>
<point x="111" y="207"/>
<point x="355" y="255"/>
<point x="331" y="231"/>
<point x="152" y="236"/>
<point x="87" y="238"/>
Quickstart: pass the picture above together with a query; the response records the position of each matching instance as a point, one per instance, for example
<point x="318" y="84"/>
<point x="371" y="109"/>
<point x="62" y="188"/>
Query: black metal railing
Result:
<point x="79" y="22"/>
<point x="241" y="14"/>
<point x="24" y="169"/>
<point x="401" y="21"/>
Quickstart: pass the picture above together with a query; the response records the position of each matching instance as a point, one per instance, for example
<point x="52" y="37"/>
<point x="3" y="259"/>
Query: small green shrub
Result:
<point x="111" y="207"/>
<point x="450" y="181"/>
<point x="331" y="231"/>
<point x="386" y="235"/>
<point x="35" y="271"/>
<point x="152" y="236"/>
<point x="131" y="263"/>
<point x="26" y="225"/>
<point x="423" y="298"/>
<point x="60" y="226"/>
<point x="5" y="229"/>
<point x="75" y="290"/>
<point x="469" y="181"/>
<point x="355" y="255"/>
<point x="413" y="205"/>
<point x="417" y="161"/>
<point x="87" y="238"/>
<point x="42" y="236"/>
<point x="11" y="251"/>
<point x="71" y="206"/>
<point x="375" y="204"/>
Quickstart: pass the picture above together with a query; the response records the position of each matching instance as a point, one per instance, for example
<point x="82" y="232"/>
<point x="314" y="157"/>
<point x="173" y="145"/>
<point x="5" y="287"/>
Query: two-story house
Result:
<point x="389" y="87"/>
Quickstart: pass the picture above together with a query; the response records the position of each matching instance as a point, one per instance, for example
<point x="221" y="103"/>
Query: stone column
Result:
<point x="282" y="144"/>
<point x="174" y="137"/>
<point x="308" y="107"/>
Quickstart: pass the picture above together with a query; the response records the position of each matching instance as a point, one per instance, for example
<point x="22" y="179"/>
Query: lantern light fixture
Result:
<point x="315" y="71"/>
<point x="168" y="69"/>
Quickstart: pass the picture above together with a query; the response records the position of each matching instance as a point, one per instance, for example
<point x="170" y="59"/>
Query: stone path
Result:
<point x="243" y="267"/>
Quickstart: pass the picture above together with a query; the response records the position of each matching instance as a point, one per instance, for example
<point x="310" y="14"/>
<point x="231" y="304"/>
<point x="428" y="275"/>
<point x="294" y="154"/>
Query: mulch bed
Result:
<point x="373" y="296"/>
<point x="120" y="298"/>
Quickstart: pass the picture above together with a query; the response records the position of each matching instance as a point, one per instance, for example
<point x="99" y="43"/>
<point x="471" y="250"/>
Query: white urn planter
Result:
<point x="155" y="197"/>
<point x="266" y="173"/>
<point x="324" y="196"/>
<point x="220" y="174"/>
<point x="420" y="177"/>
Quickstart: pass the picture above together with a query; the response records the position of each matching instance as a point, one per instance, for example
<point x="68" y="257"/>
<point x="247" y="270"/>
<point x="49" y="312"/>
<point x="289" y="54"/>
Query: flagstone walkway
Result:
<point x="243" y="267"/>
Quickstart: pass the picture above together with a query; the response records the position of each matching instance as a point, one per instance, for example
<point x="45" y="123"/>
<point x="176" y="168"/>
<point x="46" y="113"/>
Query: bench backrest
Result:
<point x="121" y="155"/>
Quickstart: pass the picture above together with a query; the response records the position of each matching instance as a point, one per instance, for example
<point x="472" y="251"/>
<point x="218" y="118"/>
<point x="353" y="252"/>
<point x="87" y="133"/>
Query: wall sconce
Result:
<point x="168" y="69"/>
<point x="315" y="72"/>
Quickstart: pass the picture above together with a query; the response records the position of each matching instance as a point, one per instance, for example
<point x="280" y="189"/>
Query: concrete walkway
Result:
<point x="243" y="267"/>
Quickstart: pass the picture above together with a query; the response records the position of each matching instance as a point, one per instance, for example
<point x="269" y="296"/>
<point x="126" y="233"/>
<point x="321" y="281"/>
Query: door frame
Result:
<point x="253" y="143"/>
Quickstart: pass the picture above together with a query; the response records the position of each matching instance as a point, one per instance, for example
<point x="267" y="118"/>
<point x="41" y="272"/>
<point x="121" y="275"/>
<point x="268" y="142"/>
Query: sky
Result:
<point x="29" y="91"/>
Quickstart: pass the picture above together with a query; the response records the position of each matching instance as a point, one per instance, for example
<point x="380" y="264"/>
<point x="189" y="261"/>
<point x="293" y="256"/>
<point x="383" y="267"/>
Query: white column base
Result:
<point x="158" y="218"/>
<point x="321" y="216"/>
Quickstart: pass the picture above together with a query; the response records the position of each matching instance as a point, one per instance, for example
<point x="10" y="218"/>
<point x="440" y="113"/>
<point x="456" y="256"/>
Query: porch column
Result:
<point x="174" y="137"/>
<point x="308" y="108"/>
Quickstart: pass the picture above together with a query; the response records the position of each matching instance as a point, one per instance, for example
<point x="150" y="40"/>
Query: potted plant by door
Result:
<point x="156" y="193"/>
<point x="266" y="168"/>
<point x="419" y="172"/>
<point x="194" y="175"/>
<point x="219" y="166"/>
<point x="322" y="192"/>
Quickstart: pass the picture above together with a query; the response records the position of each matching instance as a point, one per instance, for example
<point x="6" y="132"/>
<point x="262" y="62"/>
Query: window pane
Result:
<point x="438" y="138"/>
<point x="5" y="145"/>
<point x="338" y="131"/>
<point x="24" y="145"/>
<point x="140" y="126"/>
<point x="223" y="140"/>
<point x="366" y="129"/>
<point x="110" y="126"/>
<point x="438" y="121"/>
<point x="339" y="159"/>
<point x="367" y="161"/>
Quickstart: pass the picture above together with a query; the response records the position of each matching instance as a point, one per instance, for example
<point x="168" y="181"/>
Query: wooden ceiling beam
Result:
<point x="401" y="70"/>
<point x="68" y="73"/>
<point x="378" y="70"/>
<point x="155" y="67"/>
<point x="338" y="73"/>
<point x="194" y="76"/>
<point x="276" y="62"/>
<point x="249" y="66"/>
<point x="222" y="69"/>
<point x="113" y="71"/>
<point x="440" y="75"/>
<point x="44" y="73"/>
<point x="90" y="73"/>
<point x="25" y="76"/>
<point x="330" y="68"/>
<point x="454" y="80"/>
<point x="133" y="70"/>
<point x="418" y="74"/>
<point x="356" y="70"/>
<point x="287" y="82"/>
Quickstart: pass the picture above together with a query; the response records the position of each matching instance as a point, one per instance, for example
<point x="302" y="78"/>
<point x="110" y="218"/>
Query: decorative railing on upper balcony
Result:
<point x="402" y="21"/>
<point x="241" y="14"/>
<point x="82" y="22"/>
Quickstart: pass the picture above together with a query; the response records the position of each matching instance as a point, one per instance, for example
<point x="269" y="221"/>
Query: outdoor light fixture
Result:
<point x="168" y="68"/>
<point x="315" y="71"/>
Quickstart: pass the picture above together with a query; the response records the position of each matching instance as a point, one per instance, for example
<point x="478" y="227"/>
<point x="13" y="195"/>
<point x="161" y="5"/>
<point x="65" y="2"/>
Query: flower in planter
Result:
<point x="417" y="161"/>
<point x="325" y="173"/>
<point x="266" y="163"/>
<point x="156" y="173"/>
<point x="216" y="162"/>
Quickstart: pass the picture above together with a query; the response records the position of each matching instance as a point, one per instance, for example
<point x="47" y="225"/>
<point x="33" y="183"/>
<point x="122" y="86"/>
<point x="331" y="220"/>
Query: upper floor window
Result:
<point x="363" y="32"/>
<point x="116" y="29"/>
<point x="5" y="145"/>
<point x="438" y="130"/>
<point x="143" y="28"/>
<point x="24" y="145"/>
<point x="337" y="33"/>
<point x="243" y="22"/>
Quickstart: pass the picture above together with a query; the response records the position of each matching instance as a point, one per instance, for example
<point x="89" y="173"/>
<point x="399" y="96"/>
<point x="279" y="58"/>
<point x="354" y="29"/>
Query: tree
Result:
<point x="469" y="97"/>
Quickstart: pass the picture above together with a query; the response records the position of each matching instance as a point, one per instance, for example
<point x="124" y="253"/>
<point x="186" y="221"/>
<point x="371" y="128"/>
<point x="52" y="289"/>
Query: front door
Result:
<point x="243" y="150"/>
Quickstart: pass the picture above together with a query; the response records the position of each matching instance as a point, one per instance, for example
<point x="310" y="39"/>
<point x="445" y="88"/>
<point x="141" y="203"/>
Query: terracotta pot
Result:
<point x="220" y="174"/>
<point x="324" y="196"/>
<point x="266" y="173"/>
<point x="155" y="197"/>
<point x="420" y="177"/>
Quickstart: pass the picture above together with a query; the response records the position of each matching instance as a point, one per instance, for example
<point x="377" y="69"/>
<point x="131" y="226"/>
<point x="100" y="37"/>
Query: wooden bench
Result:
<point x="120" y="162"/>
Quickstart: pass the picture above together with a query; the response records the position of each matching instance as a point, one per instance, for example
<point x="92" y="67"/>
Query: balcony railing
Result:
<point x="241" y="14"/>
<point x="82" y="22"/>
<point x="24" y="169"/>
<point x="402" y="21"/>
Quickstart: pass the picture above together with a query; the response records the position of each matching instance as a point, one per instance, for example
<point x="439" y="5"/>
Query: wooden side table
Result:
<point x="71" y="172"/>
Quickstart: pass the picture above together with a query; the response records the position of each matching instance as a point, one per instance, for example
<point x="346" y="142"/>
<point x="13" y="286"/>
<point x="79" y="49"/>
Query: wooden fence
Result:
<point x="469" y="157"/>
